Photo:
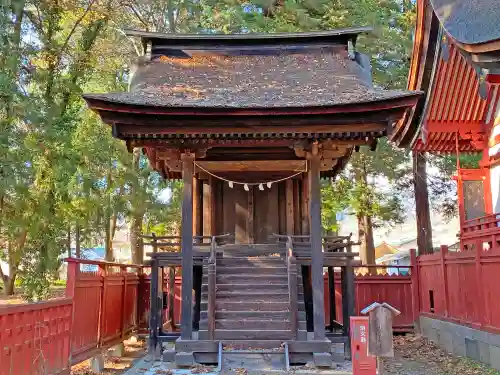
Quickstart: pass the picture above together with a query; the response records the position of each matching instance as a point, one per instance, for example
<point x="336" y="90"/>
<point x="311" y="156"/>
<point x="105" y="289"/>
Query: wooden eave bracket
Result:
<point x="377" y="305"/>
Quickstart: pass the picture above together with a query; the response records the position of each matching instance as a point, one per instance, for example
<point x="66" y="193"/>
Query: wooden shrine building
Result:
<point x="251" y="123"/>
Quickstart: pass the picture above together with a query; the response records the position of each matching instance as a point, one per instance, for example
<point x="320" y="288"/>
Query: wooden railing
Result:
<point x="482" y="233"/>
<point x="105" y="304"/>
<point x="212" y="287"/>
<point x="292" y="287"/>
<point x="101" y="308"/>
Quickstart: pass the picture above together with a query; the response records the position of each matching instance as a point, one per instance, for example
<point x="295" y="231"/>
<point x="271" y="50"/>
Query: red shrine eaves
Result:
<point x="205" y="90"/>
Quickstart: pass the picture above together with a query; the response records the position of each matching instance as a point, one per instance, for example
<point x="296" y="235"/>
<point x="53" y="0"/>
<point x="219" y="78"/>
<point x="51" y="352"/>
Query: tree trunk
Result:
<point x="108" y="246"/>
<point x="136" y="244"/>
<point x="365" y="235"/>
<point x="365" y="227"/>
<point x="424" y="228"/>
<point x="8" y="285"/>
<point x="78" y="252"/>
<point x="69" y="241"/>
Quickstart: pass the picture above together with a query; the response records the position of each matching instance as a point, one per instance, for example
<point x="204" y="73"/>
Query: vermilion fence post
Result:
<point x="123" y="271"/>
<point x="480" y="292"/>
<point x="103" y="271"/>
<point x="415" y="285"/>
<point x="443" y="252"/>
<point x="73" y="269"/>
<point x="72" y="274"/>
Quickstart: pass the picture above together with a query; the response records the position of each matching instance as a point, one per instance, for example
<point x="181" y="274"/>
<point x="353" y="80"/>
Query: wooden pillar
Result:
<point x="331" y="292"/>
<point x="197" y="280"/>
<point x="197" y="207"/>
<point x="424" y="229"/>
<point x="187" y="246"/>
<point x="306" y="284"/>
<point x="207" y="208"/>
<point x="289" y="207"/>
<point x="213" y="198"/>
<point x="305" y="206"/>
<point x="350" y="308"/>
<point x="316" y="245"/>
<point x="251" y="214"/>
<point x="153" y="308"/>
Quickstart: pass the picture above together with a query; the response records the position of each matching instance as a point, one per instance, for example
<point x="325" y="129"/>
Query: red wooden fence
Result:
<point x="395" y="289"/>
<point x="104" y="303"/>
<point x="35" y="338"/>
<point x="462" y="287"/>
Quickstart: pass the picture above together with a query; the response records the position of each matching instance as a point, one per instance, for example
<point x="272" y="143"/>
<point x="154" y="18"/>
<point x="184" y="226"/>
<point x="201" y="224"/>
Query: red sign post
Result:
<point x="362" y="363"/>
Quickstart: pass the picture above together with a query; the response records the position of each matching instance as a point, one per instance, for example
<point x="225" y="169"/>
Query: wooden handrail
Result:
<point x="212" y="264"/>
<point x="101" y="263"/>
<point x="292" y="286"/>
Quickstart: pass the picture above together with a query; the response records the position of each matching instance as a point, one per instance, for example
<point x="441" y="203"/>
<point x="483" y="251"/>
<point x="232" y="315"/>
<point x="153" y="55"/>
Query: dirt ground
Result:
<point x="415" y="355"/>
<point x="115" y="365"/>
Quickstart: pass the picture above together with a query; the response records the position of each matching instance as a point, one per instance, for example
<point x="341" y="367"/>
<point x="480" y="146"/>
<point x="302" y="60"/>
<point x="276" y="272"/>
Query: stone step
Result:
<point x="249" y="278"/>
<point x="253" y="315"/>
<point x="265" y="246"/>
<point x="244" y="288"/>
<point x="252" y="344"/>
<point x="265" y="361"/>
<point x="250" y="306"/>
<point x="276" y="270"/>
<point x="264" y="325"/>
<point x="252" y="334"/>
<point x="252" y="296"/>
<point x="251" y="261"/>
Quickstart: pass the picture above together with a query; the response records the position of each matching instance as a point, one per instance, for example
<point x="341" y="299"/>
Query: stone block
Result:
<point x="168" y="355"/>
<point x="459" y="345"/>
<point x="492" y="339"/>
<point x="117" y="350"/>
<point x="322" y="359"/>
<point x="134" y="339"/>
<point x="184" y="359"/>
<point x="472" y="349"/>
<point x="484" y="352"/>
<point x="433" y="335"/>
<point x="495" y="357"/>
<point x="445" y="340"/>
<point x="97" y="364"/>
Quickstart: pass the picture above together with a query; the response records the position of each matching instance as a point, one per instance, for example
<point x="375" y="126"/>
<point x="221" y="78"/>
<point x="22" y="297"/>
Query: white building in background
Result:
<point x="404" y="236"/>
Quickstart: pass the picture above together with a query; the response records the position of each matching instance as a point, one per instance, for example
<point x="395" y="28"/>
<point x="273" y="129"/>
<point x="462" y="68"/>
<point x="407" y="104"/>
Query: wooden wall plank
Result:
<point x="241" y="214"/>
<point x="282" y="207"/>
<point x="207" y="208"/>
<point x="296" y="207"/>
<point x="305" y="205"/>
<point x="289" y="207"/>
<point x="228" y="209"/>
<point x="251" y="213"/>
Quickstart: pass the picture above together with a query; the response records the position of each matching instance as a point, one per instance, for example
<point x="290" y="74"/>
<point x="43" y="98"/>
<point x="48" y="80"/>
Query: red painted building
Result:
<point x="456" y="62"/>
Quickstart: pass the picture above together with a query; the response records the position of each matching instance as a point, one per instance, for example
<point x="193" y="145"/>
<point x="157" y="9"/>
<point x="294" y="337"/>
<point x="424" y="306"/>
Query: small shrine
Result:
<point x="251" y="124"/>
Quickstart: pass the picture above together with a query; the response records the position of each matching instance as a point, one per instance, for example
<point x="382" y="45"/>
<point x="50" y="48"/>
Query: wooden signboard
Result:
<point x="380" y="329"/>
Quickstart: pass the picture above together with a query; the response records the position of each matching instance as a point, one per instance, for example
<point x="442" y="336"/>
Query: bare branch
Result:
<point x="77" y="23"/>
<point x="139" y="16"/>
<point x="137" y="51"/>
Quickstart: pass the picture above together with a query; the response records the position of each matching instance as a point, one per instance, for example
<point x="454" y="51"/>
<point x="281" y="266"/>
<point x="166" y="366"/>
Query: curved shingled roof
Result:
<point x="470" y="21"/>
<point x="317" y="76"/>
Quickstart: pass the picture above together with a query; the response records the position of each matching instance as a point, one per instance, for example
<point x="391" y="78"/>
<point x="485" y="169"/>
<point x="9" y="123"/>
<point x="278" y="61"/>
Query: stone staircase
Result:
<point x="252" y="317"/>
<point x="252" y="301"/>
